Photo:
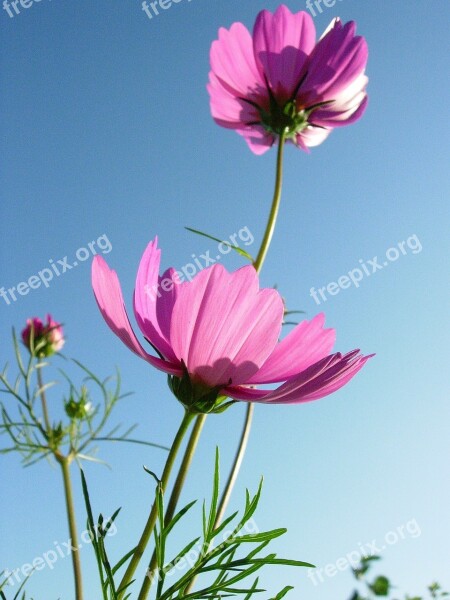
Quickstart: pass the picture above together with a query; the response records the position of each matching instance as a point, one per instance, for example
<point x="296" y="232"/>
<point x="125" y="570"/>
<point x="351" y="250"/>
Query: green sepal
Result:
<point x="196" y="397"/>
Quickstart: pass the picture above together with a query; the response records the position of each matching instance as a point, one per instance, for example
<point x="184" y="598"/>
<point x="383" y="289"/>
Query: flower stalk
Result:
<point x="243" y="442"/>
<point x="258" y="263"/>
<point x="151" y="521"/>
<point x="64" y="462"/>
<point x="174" y="497"/>
<point x="275" y="207"/>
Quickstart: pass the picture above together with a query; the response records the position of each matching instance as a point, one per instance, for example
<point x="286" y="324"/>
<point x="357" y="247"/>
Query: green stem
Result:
<point x="151" y="521"/>
<point x="270" y="227"/>
<point x="45" y="414"/>
<point x="65" y="461"/>
<point x="174" y="497"/>
<point x="258" y="263"/>
<point x="232" y="477"/>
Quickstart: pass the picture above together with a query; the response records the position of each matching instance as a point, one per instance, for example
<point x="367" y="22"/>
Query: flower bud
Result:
<point x="79" y="409"/>
<point x="43" y="339"/>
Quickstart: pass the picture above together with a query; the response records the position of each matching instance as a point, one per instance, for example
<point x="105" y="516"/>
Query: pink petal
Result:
<point x="109" y="298"/>
<point x="347" y="108"/>
<point x="331" y="118"/>
<point x="258" y="139"/>
<point x="312" y="136"/>
<point x="169" y="284"/>
<point x="150" y="300"/>
<point x="282" y="43"/>
<point x="234" y="75"/>
<point x="223" y="327"/>
<point x="338" y="59"/>
<point x="227" y="109"/>
<point x="303" y="346"/>
<point x="319" y="380"/>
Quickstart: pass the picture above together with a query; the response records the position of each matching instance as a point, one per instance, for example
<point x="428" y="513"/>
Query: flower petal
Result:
<point x="303" y="346"/>
<point x="109" y="298"/>
<point x="312" y="136"/>
<point x="282" y="43"/>
<point x="233" y="62"/>
<point x="169" y="284"/>
<point x="227" y="109"/>
<point x="151" y="301"/>
<point x="319" y="380"/>
<point x="338" y="59"/>
<point x="258" y="139"/>
<point x="223" y="327"/>
<point x="348" y="107"/>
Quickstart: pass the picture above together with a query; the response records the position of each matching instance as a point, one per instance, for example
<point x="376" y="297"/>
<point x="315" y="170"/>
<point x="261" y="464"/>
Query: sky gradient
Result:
<point x="108" y="140"/>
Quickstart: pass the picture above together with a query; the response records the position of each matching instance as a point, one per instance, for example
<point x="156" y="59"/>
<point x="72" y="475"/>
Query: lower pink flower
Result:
<point x="217" y="335"/>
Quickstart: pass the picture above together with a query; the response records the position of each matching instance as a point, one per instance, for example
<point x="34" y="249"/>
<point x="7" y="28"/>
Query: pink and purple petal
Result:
<point x="308" y="343"/>
<point x="312" y="136"/>
<point x="224" y="327"/>
<point x="282" y="43"/>
<point x="258" y="139"/>
<point x="228" y="109"/>
<point x="319" y="380"/>
<point x="338" y="59"/>
<point x="148" y="295"/>
<point x="348" y="107"/>
<point x="234" y="75"/>
<point x="108" y="295"/>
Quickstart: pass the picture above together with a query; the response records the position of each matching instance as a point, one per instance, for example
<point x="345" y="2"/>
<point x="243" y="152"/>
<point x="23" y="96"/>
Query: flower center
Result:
<point x="285" y="119"/>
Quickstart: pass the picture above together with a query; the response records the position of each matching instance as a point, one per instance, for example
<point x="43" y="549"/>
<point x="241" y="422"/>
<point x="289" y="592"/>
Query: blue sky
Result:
<point x="107" y="137"/>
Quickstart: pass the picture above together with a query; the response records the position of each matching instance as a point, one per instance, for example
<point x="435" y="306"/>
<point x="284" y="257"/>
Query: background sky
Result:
<point x="107" y="132"/>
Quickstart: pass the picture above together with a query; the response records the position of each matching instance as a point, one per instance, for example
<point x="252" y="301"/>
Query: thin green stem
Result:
<point x="270" y="227"/>
<point x="151" y="521"/>
<point x="45" y="414"/>
<point x="65" y="461"/>
<point x="258" y="263"/>
<point x="232" y="477"/>
<point x="174" y="497"/>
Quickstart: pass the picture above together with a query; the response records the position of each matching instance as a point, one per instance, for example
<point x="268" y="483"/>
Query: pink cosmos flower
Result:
<point x="282" y="80"/>
<point x="44" y="340"/>
<point x="217" y="335"/>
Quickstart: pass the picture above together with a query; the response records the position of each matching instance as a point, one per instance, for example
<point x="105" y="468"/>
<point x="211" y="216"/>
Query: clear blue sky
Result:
<point x="107" y="132"/>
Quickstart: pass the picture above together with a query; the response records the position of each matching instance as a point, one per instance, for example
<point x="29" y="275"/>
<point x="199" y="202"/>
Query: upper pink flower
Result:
<point x="217" y="335"/>
<point x="282" y="80"/>
<point x="43" y="339"/>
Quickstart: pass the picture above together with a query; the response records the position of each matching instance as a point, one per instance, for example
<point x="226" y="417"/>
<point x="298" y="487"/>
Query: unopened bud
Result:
<point x="43" y="339"/>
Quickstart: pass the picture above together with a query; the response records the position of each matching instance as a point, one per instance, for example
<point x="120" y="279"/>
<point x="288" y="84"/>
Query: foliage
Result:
<point x="225" y="554"/>
<point x="24" y="425"/>
<point x="381" y="586"/>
